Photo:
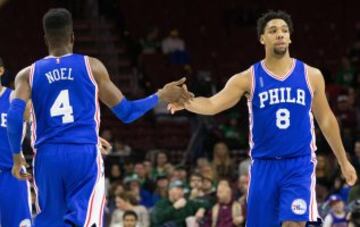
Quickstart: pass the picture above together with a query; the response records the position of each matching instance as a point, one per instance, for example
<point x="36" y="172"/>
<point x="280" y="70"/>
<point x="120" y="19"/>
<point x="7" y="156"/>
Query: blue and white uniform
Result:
<point x="68" y="168"/>
<point x="282" y="147"/>
<point x="15" y="201"/>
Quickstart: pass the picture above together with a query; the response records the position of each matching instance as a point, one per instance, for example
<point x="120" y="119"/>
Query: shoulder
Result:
<point x="244" y="75"/>
<point x="96" y="65"/>
<point x="315" y="77"/>
<point x="313" y="72"/>
<point x="93" y="60"/>
<point x="24" y="74"/>
<point x="243" y="79"/>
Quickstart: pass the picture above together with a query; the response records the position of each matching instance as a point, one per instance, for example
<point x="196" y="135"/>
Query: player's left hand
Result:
<point x="105" y="146"/>
<point x="19" y="167"/>
<point x="349" y="173"/>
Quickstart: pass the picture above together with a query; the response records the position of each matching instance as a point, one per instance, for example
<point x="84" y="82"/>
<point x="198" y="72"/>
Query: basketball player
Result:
<point x="15" y="203"/>
<point x="283" y="94"/>
<point x="64" y="88"/>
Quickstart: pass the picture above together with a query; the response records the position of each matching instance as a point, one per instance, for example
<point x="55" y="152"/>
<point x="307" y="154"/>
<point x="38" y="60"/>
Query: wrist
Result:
<point x="342" y="161"/>
<point x="159" y="94"/>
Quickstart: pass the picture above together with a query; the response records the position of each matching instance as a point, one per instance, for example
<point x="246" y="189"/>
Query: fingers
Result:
<point x="20" y="174"/>
<point x="26" y="165"/>
<point x="105" y="143"/>
<point x="25" y="176"/>
<point x="351" y="180"/>
<point x="178" y="82"/>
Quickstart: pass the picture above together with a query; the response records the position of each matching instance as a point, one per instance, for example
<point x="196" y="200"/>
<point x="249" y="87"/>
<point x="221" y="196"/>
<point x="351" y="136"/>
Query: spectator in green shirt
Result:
<point x="174" y="210"/>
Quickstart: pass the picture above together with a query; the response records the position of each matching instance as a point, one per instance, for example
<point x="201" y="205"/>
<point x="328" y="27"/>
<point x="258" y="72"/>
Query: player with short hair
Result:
<point x="283" y="94"/>
<point x="64" y="88"/>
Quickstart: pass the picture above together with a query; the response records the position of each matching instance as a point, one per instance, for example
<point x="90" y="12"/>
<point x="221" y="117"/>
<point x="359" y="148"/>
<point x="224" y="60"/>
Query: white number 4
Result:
<point x="61" y="107"/>
<point x="283" y="118"/>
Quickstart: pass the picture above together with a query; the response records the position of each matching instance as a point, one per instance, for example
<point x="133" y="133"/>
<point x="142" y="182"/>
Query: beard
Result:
<point x="280" y="51"/>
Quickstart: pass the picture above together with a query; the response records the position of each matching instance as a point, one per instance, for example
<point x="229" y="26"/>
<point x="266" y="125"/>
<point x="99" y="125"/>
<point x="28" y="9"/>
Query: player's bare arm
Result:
<point x="328" y="124"/>
<point x="111" y="95"/>
<point x="21" y="96"/>
<point x="235" y="88"/>
<point x="22" y="86"/>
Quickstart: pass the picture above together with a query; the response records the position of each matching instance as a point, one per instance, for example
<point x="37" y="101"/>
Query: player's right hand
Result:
<point x="349" y="173"/>
<point x="105" y="146"/>
<point x="19" y="167"/>
<point x="175" y="92"/>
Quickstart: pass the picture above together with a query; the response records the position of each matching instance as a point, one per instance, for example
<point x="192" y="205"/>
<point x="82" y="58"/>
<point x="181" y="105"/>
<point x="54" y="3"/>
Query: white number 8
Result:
<point x="283" y="118"/>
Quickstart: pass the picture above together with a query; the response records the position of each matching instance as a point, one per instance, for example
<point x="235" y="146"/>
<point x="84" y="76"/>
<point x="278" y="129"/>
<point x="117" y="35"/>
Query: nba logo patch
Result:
<point x="25" y="223"/>
<point x="298" y="206"/>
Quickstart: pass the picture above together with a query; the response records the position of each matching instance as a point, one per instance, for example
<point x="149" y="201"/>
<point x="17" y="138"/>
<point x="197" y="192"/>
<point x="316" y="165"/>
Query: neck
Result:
<point x="272" y="60"/>
<point x="60" y="51"/>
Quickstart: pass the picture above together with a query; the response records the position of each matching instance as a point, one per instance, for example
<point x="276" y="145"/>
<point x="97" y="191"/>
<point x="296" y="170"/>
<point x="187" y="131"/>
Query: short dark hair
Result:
<point x="270" y="15"/>
<point x="130" y="213"/>
<point x="57" y="25"/>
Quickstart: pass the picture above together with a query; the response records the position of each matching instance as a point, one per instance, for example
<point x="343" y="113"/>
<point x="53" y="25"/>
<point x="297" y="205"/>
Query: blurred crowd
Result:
<point x="208" y="187"/>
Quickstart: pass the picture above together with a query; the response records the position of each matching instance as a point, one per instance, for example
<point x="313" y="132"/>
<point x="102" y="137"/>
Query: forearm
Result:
<point x="330" y="128"/>
<point x="129" y="111"/>
<point x="15" y="120"/>
<point x="203" y="106"/>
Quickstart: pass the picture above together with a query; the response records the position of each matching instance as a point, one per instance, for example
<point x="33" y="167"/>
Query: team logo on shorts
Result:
<point x="25" y="223"/>
<point x="299" y="206"/>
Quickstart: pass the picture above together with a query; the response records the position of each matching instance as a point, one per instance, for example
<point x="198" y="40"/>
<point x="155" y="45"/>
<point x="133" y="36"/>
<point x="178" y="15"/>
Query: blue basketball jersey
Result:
<point x="64" y="98"/>
<point x="281" y="122"/>
<point x="5" y="152"/>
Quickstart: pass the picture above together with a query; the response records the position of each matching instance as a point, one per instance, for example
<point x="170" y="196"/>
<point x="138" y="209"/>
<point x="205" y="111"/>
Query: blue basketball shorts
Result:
<point x="15" y="201"/>
<point x="281" y="190"/>
<point x="70" y="184"/>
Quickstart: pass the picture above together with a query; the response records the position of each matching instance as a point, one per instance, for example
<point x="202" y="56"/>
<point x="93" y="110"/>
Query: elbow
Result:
<point x="328" y="122"/>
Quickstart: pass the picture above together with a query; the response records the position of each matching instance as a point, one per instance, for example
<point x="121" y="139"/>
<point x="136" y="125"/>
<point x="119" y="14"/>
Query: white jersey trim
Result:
<point x="37" y="204"/>
<point x="97" y="200"/>
<point x="313" y="211"/>
<point x="307" y="79"/>
<point x="249" y="103"/>
<point x="32" y="112"/>
<point x="96" y="101"/>
<point x="32" y="73"/>
<point x="277" y="77"/>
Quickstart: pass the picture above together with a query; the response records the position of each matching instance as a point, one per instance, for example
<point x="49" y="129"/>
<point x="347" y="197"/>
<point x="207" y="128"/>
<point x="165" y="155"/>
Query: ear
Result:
<point x="72" y="38"/>
<point x="289" y="40"/>
<point x="262" y="41"/>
